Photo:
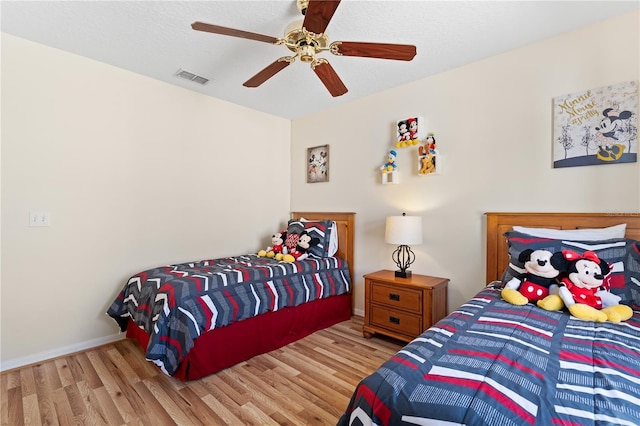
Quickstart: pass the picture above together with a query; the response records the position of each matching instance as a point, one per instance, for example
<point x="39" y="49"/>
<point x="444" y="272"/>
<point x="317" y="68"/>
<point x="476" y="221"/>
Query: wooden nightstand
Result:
<point x="402" y="307"/>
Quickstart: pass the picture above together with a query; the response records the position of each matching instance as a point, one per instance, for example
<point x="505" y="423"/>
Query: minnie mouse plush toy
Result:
<point x="584" y="291"/>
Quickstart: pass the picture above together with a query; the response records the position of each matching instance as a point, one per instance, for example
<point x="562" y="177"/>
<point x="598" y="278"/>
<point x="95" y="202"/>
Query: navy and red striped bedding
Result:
<point x="175" y="304"/>
<point x="493" y="363"/>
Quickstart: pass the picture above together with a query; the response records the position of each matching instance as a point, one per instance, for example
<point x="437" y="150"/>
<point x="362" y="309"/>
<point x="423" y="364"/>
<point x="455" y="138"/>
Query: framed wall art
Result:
<point x="318" y="164"/>
<point x="596" y="126"/>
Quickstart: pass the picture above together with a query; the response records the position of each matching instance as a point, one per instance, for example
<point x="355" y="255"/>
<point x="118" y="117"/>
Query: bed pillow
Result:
<point x="585" y="234"/>
<point x="632" y="269"/>
<point x="615" y="251"/>
<point x="333" y="236"/>
<point x="321" y="230"/>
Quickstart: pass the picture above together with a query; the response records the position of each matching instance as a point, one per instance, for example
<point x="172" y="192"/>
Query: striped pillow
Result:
<point x="321" y="230"/>
<point x="632" y="269"/>
<point x="615" y="251"/>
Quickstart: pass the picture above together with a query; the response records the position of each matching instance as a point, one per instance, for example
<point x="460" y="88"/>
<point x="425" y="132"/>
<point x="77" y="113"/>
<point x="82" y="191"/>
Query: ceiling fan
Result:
<point x="307" y="38"/>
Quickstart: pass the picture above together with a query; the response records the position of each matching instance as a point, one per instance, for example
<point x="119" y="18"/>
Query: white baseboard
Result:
<point x="66" y="350"/>
<point x="55" y="353"/>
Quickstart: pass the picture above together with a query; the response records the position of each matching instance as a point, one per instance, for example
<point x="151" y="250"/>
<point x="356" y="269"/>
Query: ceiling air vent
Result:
<point x="191" y="77"/>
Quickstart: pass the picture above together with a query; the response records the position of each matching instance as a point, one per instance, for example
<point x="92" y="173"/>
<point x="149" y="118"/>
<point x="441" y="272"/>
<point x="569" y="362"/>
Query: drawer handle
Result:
<point x="395" y="297"/>
<point x="394" y="320"/>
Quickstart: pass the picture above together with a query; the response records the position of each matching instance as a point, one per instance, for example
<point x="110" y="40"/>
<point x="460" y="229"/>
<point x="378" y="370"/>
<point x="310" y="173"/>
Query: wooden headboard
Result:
<point x="499" y="223"/>
<point x="346" y="232"/>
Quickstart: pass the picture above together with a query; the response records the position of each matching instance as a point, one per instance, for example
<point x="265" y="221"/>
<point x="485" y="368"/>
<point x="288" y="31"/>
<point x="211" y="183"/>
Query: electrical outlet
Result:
<point x="39" y="219"/>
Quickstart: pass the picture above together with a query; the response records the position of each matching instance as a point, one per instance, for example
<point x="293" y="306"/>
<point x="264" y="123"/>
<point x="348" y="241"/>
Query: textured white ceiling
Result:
<point x="154" y="38"/>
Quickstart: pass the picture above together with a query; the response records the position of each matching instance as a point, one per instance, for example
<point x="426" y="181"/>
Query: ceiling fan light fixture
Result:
<point x="306" y="53"/>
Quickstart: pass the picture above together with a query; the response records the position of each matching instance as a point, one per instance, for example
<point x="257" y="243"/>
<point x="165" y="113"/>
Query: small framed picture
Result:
<point x="318" y="164"/>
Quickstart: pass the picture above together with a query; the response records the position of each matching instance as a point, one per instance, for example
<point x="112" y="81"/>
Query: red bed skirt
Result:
<point x="225" y="346"/>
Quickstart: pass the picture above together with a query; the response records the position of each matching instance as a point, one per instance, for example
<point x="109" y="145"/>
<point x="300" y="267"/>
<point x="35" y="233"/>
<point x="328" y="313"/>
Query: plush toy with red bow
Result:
<point x="584" y="289"/>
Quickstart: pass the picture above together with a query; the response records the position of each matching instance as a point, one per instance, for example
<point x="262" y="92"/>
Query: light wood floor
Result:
<point x="307" y="382"/>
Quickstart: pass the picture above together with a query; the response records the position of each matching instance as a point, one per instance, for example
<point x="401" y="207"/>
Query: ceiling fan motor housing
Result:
<point x="304" y="43"/>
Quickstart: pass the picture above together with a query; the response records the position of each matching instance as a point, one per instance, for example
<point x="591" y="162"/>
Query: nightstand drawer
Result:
<point x="397" y="297"/>
<point x="397" y="321"/>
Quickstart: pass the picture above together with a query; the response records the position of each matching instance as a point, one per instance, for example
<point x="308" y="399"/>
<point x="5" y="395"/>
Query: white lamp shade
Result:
<point x="403" y="230"/>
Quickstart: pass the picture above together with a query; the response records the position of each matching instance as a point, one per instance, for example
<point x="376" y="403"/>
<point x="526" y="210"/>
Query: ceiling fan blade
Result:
<point x="269" y="71"/>
<point x="400" y="52"/>
<point x="318" y="15"/>
<point x="329" y="77"/>
<point x="216" y="29"/>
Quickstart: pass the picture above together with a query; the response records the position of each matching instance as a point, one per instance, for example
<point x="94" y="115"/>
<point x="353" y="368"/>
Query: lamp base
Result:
<point x="403" y="274"/>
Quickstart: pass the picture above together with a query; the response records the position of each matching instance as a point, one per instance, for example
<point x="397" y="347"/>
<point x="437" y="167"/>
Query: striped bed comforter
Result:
<point x="175" y="304"/>
<point x="492" y="363"/>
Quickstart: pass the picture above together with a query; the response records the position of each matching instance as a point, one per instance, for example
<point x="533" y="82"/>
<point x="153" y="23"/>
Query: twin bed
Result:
<point x="493" y="363"/>
<point x="197" y="318"/>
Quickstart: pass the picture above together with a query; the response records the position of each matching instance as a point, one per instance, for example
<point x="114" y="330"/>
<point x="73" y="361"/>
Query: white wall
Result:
<point x="493" y="126"/>
<point x="135" y="173"/>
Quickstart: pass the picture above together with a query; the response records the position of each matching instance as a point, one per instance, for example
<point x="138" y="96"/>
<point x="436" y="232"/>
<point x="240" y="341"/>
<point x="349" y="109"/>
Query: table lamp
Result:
<point x="403" y="230"/>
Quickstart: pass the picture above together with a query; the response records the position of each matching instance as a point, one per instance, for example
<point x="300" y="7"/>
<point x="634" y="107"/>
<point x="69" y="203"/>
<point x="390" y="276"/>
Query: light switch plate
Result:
<point x="39" y="219"/>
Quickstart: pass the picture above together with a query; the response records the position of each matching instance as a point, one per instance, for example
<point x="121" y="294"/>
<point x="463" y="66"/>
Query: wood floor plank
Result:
<point x="14" y="398"/>
<point x="73" y="363"/>
<point x="63" y="408"/>
<point x="274" y="358"/>
<point x="262" y="380"/>
<point x="108" y="405"/>
<point x="134" y="356"/>
<point x="30" y="410"/>
<point x="13" y="379"/>
<point x="120" y="377"/>
<point x="263" y="402"/>
<point x="279" y="405"/>
<point x="64" y="372"/>
<point x="154" y="409"/>
<point x="253" y="416"/>
<point x="169" y="403"/>
<point x="76" y="403"/>
<point x="96" y="414"/>
<point x="221" y="410"/>
<point x="199" y="408"/>
<point x="220" y="389"/>
<point x="87" y="372"/>
<point x="4" y="402"/>
<point x="117" y="361"/>
<point x="48" y="414"/>
<point x="308" y="382"/>
<point x="110" y="384"/>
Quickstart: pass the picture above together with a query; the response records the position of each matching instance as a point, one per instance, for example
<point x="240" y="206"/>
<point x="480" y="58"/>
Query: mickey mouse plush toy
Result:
<point x="278" y="249"/>
<point x="534" y="284"/>
<point x="300" y="252"/>
<point x="584" y="291"/>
